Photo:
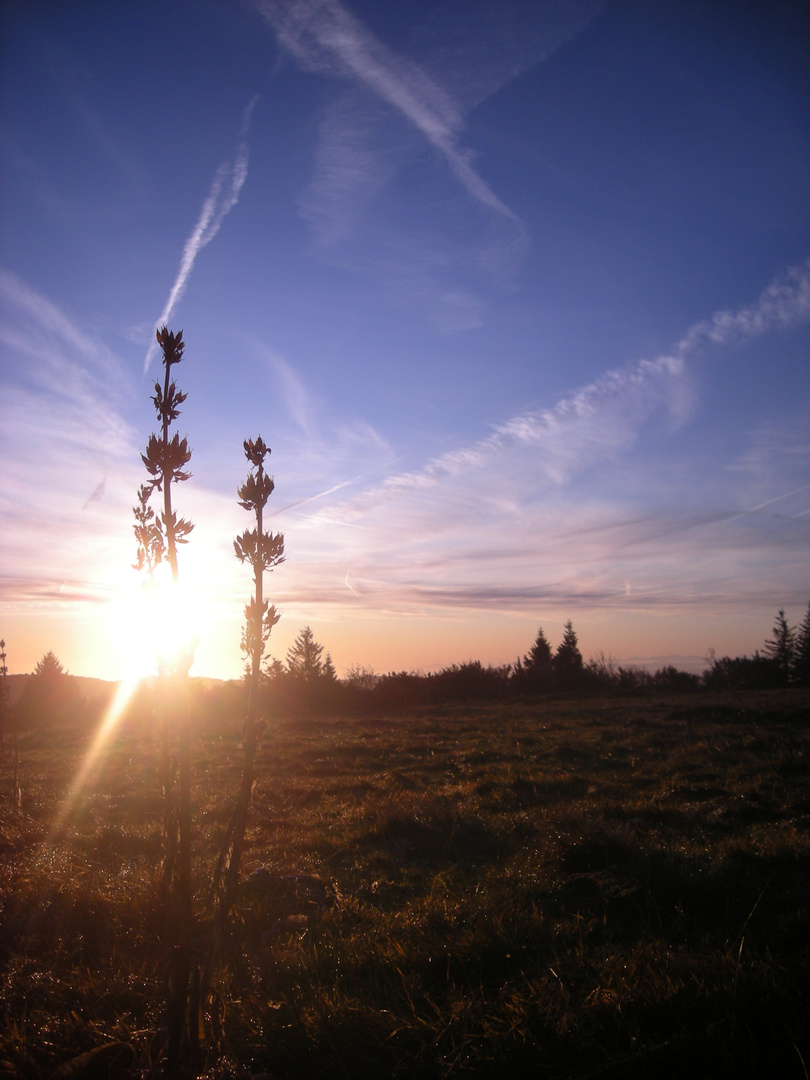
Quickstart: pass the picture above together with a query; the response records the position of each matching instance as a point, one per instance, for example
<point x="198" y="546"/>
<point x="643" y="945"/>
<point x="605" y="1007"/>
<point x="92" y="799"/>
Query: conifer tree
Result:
<point x="48" y="692"/>
<point x="781" y="648"/>
<point x="49" y="669"/>
<point x="801" y="659"/>
<point x="568" y="664"/>
<point x="538" y="665"/>
<point x="304" y="657"/>
<point x="328" y="673"/>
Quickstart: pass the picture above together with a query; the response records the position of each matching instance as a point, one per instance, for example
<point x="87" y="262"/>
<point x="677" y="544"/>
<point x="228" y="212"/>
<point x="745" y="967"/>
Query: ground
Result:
<point x="561" y="888"/>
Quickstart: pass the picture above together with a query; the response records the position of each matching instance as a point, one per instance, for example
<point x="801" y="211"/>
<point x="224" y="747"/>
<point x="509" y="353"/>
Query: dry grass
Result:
<point x="561" y="889"/>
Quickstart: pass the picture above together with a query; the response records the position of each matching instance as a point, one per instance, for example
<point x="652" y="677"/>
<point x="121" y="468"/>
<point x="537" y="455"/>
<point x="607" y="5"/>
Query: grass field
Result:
<point x="599" y="888"/>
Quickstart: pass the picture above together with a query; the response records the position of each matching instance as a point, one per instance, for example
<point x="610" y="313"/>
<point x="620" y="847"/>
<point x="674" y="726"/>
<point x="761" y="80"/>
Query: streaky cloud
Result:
<point x="295" y="395"/>
<point x="478" y="47"/>
<point x="457" y="59"/>
<point x="223" y="196"/>
<point x="784" y="303"/>
<point x="604" y="417"/>
<point x="324" y="37"/>
<point x="47" y="319"/>
<point x="600" y="419"/>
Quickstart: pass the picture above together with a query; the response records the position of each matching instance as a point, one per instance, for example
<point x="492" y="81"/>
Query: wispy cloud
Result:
<point x="326" y="38"/>
<point x="599" y="421"/>
<point x="295" y="395"/>
<point x="68" y="452"/>
<point x="476" y="49"/>
<point x="319" y="449"/>
<point x="499" y="525"/>
<point x="373" y="136"/>
<point x="605" y="418"/>
<point x="784" y="303"/>
<point x="223" y="196"/>
<point x="41" y="324"/>
<point x="554" y="509"/>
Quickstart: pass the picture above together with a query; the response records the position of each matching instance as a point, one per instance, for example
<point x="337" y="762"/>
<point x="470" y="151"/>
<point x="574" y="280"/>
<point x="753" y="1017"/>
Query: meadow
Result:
<point x="603" y="887"/>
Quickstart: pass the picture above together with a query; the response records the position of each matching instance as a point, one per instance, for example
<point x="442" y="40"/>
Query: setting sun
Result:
<point x="163" y="626"/>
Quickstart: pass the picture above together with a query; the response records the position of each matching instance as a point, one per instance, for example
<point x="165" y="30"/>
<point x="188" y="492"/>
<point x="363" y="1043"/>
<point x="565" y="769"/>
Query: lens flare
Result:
<point x="157" y="622"/>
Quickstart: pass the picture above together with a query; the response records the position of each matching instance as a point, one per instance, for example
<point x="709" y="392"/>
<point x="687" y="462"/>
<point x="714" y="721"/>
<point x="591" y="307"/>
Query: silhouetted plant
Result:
<point x="274" y="669"/>
<point x="781" y="648"/>
<point x="568" y="662"/>
<point x="5" y="696"/>
<point x="263" y="551"/>
<point x="360" y="678"/>
<point x="534" y="674"/>
<point x="603" y="674"/>
<point x="48" y="694"/>
<point x="801" y="659"/>
<point x="309" y="682"/>
<point x="158" y="536"/>
<point x="165" y="460"/>
<point x="401" y="689"/>
<point x="7" y="724"/>
<point x="328" y="672"/>
<point x="304" y="657"/>
<point x="741" y="673"/>
<point x="470" y="681"/>
<point x="148" y="533"/>
<point x="49" y="670"/>
<point x="671" y="679"/>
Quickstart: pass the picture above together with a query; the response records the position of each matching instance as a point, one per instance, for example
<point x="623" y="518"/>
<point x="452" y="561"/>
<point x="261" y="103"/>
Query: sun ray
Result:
<point x="123" y="696"/>
<point x="161" y="619"/>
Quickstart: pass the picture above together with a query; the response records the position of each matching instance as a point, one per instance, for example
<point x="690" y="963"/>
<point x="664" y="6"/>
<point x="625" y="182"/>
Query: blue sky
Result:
<point x="518" y="294"/>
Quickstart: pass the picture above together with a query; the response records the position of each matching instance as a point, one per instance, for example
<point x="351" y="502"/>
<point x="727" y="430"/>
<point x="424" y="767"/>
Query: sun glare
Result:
<point x="156" y="625"/>
<point x="171" y="621"/>
<point x="160" y="625"/>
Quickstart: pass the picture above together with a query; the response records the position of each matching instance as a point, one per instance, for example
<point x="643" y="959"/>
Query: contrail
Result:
<point x="605" y="414"/>
<point x="310" y="498"/>
<point x="222" y="198"/>
<point x="769" y="502"/>
<point x="785" y="303"/>
<point x="324" y="36"/>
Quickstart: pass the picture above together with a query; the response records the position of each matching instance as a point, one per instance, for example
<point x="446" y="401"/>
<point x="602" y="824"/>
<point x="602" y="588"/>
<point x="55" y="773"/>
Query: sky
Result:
<point x="518" y="293"/>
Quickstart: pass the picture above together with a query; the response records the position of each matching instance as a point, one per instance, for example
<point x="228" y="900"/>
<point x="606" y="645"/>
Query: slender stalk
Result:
<point x="158" y="536"/>
<point x="7" y="718"/>
<point x="263" y="551"/>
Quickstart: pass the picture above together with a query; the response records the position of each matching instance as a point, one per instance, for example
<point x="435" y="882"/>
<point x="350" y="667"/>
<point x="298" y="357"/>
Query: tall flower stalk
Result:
<point x="263" y="551"/>
<point x="166" y="458"/>
<point x="7" y="720"/>
<point x="158" y="536"/>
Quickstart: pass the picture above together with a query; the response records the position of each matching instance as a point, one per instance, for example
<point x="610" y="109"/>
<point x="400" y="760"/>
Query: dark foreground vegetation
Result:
<point x="596" y="887"/>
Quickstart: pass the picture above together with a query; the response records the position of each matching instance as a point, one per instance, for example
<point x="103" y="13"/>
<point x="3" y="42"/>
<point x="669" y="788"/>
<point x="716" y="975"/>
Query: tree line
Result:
<point x="307" y="680"/>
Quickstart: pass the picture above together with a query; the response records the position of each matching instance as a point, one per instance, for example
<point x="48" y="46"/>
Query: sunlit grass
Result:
<point x="112" y="718"/>
<point x="550" y="888"/>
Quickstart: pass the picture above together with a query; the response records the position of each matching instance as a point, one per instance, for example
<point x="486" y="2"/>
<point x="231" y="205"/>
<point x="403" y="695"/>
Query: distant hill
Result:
<point x="90" y="687"/>
<point x="87" y="687"/>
